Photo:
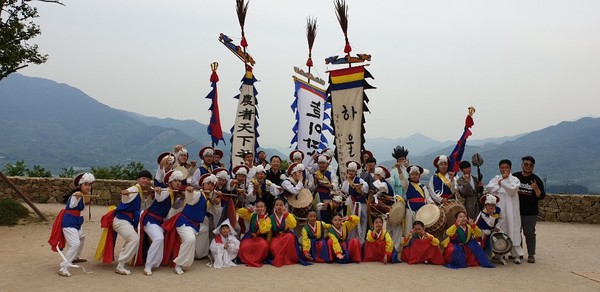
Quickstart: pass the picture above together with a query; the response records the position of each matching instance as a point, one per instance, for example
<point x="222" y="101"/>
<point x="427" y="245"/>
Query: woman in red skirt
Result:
<point x="254" y="247"/>
<point x="421" y="247"/>
<point x="283" y="243"/>
<point x="379" y="246"/>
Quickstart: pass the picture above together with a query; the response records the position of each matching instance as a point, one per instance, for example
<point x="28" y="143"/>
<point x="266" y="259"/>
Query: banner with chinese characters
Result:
<point x="310" y="108"/>
<point x="348" y="101"/>
<point x="245" y="130"/>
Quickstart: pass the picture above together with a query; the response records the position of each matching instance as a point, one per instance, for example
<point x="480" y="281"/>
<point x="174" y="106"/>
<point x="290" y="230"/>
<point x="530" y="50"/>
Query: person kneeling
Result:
<point x="462" y="249"/>
<point x="379" y="246"/>
<point x="314" y="242"/>
<point x="345" y="249"/>
<point x="421" y="247"/>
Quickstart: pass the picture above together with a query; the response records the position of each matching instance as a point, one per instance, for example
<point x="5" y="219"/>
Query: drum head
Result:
<point x="451" y="208"/>
<point x="397" y="213"/>
<point x="428" y="214"/>
<point x="501" y="243"/>
<point x="302" y="200"/>
<point x="183" y="170"/>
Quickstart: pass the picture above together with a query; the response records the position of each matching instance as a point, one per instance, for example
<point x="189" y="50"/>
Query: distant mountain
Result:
<point x="196" y="129"/>
<point x="58" y="126"/>
<point x="566" y="154"/>
<point x="192" y="128"/>
<point x="419" y="144"/>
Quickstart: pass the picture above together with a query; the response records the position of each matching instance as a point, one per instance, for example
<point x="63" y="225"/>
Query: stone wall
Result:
<point x="52" y="190"/>
<point x="556" y="208"/>
<point x="570" y="208"/>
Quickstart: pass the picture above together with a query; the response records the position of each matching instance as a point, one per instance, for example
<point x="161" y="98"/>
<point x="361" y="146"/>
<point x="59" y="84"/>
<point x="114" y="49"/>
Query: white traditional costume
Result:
<point x="507" y="191"/>
<point x="224" y="257"/>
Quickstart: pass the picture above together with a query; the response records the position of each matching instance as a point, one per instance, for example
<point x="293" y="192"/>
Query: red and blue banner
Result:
<point x="214" y="126"/>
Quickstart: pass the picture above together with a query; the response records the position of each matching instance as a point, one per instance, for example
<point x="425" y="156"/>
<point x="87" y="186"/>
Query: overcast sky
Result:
<point x="524" y="65"/>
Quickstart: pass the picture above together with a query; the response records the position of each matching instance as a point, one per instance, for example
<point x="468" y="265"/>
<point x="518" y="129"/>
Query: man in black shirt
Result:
<point x="531" y="191"/>
<point x="274" y="173"/>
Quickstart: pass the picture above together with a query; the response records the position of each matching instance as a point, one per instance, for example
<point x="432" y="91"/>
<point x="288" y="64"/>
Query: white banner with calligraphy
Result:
<point x="245" y="130"/>
<point x="348" y="102"/>
<point x="310" y="109"/>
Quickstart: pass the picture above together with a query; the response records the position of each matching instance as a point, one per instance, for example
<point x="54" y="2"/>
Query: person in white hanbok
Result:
<point x="224" y="247"/>
<point x="506" y="187"/>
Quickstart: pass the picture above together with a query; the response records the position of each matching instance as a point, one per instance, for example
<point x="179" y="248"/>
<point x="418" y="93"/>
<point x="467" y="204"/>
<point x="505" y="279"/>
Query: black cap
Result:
<point x="145" y="173"/>
<point x="371" y="160"/>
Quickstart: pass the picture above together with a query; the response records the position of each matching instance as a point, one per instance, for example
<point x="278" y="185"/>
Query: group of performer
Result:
<point x="259" y="213"/>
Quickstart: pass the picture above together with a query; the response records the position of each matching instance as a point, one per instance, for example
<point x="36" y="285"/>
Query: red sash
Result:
<point x="109" y="248"/>
<point x="172" y="240"/>
<point x="417" y="200"/>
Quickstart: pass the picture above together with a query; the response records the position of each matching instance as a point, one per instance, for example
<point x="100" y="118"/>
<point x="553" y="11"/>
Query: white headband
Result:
<point x="352" y="166"/>
<point x="490" y="199"/>
<point x="210" y="179"/>
<point x="298" y="167"/>
<point x="297" y="155"/>
<point x="208" y="152"/>
<point x="259" y="168"/>
<point x="222" y="174"/>
<point x="443" y="158"/>
<point x="323" y="158"/>
<point x="176" y="175"/>
<point x="242" y="171"/>
<point x="378" y="170"/>
<point x="87" y="178"/>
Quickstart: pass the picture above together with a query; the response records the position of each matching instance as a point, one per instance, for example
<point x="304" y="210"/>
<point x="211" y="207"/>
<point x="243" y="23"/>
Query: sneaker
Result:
<point x="502" y="261"/>
<point x="78" y="260"/>
<point x="122" y="271"/>
<point x="531" y="259"/>
<point x="64" y="273"/>
<point x="517" y="261"/>
<point x="178" y="270"/>
<point x="147" y="272"/>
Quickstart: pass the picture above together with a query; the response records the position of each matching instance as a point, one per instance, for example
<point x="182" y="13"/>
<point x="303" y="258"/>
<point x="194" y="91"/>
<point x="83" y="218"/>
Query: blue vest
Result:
<point x="193" y="215"/>
<point x="412" y="193"/>
<point x="72" y="220"/>
<point x="358" y="197"/>
<point x="130" y="211"/>
<point x="324" y="192"/>
<point x="160" y="209"/>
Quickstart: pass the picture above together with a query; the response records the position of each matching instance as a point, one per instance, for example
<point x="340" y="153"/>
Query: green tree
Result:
<point x="16" y="30"/>
<point x="38" y="171"/>
<point x="131" y="171"/>
<point x="102" y="173"/>
<point x="119" y="171"/>
<point x="18" y="169"/>
<point x="67" y="172"/>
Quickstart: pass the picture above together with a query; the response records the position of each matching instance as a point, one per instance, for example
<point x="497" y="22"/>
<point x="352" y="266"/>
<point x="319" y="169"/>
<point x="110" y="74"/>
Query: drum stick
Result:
<point x="188" y="143"/>
<point x="147" y="191"/>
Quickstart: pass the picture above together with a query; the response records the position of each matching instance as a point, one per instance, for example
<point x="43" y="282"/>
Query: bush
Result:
<point x="18" y="169"/>
<point x="11" y="211"/>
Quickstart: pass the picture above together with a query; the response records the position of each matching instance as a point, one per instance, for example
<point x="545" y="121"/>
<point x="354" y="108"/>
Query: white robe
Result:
<point x="509" y="206"/>
<point x="203" y="236"/>
<point x="223" y="258"/>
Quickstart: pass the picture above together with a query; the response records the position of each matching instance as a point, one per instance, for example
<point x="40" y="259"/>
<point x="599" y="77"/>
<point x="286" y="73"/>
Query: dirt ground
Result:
<point x="568" y="259"/>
